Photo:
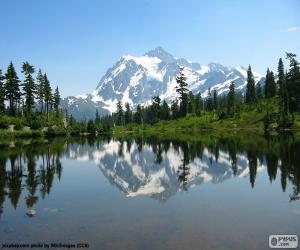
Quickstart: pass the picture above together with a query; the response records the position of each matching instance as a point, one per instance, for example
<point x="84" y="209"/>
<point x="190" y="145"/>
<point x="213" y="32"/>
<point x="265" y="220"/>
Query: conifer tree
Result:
<point x="191" y="103"/>
<point x="12" y="89"/>
<point x="259" y="92"/>
<point x="139" y="115"/>
<point x="175" y="109"/>
<point x="2" y="93"/>
<point x="182" y="90"/>
<point x="283" y="94"/>
<point x="281" y="76"/>
<point x="40" y="89"/>
<point x="128" y="114"/>
<point x="215" y="100"/>
<point x="209" y="102"/>
<point x="97" y="118"/>
<point x="270" y="85"/>
<point x="119" y="114"/>
<point x="47" y="94"/>
<point x="165" y="111"/>
<point x="231" y="99"/>
<point x="155" y="107"/>
<point x="293" y="82"/>
<point x="28" y="87"/>
<point x="56" y="100"/>
<point x="198" y="104"/>
<point x="250" y="88"/>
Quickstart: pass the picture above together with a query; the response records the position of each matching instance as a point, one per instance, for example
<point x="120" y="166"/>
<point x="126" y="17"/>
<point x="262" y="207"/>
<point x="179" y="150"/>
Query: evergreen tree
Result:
<point x="2" y="93"/>
<point x="270" y="85"/>
<point x="165" y="111"/>
<point x="293" y="83"/>
<point x="250" y="88"/>
<point x="47" y="94"/>
<point x="155" y="108"/>
<point x="12" y="89"/>
<point x="283" y="94"/>
<point x="182" y="90"/>
<point x="56" y="100"/>
<point x="231" y="99"/>
<point x="91" y="127"/>
<point x="281" y="76"/>
<point x="175" y="109"/>
<point x="119" y="114"/>
<point x="259" y="92"/>
<point x="198" y="104"/>
<point x="215" y="100"/>
<point x="209" y="102"/>
<point x="28" y="87"/>
<point x="191" y="103"/>
<point x="128" y="114"/>
<point x="40" y="89"/>
<point x="97" y="119"/>
<point x="139" y="115"/>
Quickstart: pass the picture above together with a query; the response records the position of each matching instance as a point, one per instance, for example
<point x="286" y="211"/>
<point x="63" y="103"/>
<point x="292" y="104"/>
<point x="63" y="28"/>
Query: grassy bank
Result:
<point x="245" y="121"/>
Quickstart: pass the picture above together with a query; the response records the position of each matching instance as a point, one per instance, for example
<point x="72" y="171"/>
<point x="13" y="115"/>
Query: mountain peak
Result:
<point x="160" y="53"/>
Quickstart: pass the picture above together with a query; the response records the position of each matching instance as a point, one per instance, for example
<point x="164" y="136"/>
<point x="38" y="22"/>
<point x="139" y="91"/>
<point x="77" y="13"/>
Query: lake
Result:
<point x="205" y="191"/>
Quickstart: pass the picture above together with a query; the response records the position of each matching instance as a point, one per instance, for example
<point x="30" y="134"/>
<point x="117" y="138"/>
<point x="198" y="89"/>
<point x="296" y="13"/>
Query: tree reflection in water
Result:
<point x="31" y="168"/>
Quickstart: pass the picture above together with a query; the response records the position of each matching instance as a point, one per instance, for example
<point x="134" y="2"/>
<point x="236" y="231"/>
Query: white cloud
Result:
<point x="292" y="29"/>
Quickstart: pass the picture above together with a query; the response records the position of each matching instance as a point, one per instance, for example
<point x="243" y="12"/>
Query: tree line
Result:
<point x="283" y="89"/>
<point x="28" y="97"/>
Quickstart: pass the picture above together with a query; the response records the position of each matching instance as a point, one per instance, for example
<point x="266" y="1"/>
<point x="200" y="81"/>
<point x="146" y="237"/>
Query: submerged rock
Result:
<point x="31" y="213"/>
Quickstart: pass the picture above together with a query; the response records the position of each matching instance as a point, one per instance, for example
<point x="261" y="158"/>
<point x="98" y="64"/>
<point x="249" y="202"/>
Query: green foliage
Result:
<point x="250" y="88"/>
<point x="12" y="89"/>
<point x="28" y="87"/>
<point x="182" y="90"/>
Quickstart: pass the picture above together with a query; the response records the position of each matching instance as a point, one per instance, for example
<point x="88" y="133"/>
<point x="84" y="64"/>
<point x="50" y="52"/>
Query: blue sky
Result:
<point x="76" y="41"/>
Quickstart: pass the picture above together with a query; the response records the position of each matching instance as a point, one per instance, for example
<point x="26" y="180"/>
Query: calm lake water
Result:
<point x="217" y="192"/>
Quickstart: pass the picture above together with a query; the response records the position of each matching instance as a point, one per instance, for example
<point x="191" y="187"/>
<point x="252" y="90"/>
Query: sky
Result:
<point x="76" y="41"/>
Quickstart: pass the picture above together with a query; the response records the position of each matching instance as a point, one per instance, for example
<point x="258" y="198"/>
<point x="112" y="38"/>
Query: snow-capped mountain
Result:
<point x="136" y="79"/>
<point x="144" y="170"/>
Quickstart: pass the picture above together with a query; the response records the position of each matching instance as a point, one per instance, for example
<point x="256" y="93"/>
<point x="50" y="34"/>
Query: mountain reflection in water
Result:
<point x="157" y="168"/>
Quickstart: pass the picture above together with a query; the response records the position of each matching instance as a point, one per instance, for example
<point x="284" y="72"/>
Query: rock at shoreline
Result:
<point x="31" y="213"/>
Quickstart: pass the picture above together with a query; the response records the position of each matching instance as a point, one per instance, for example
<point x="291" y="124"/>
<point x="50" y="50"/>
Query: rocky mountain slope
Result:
<point x="137" y="79"/>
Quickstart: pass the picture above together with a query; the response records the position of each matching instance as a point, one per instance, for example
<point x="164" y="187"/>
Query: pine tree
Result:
<point x="47" y="94"/>
<point x="2" y="93"/>
<point x="198" y="104"/>
<point x="40" y="89"/>
<point x="119" y="114"/>
<point x="28" y="87"/>
<point x="267" y="82"/>
<point x="270" y="85"/>
<point x="165" y="111"/>
<point x="231" y="99"/>
<point x="97" y="119"/>
<point x="56" y="100"/>
<point x="191" y="103"/>
<point x="12" y="89"/>
<point x="250" y="88"/>
<point x="155" y="107"/>
<point x="175" y="109"/>
<point x="281" y="76"/>
<point x="139" y="115"/>
<point x="182" y="90"/>
<point x="209" y="102"/>
<point x="91" y="127"/>
<point x="283" y="94"/>
<point x="293" y="83"/>
<point x="215" y="100"/>
<point x="259" y="92"/>
<point x="128" y="114"/>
